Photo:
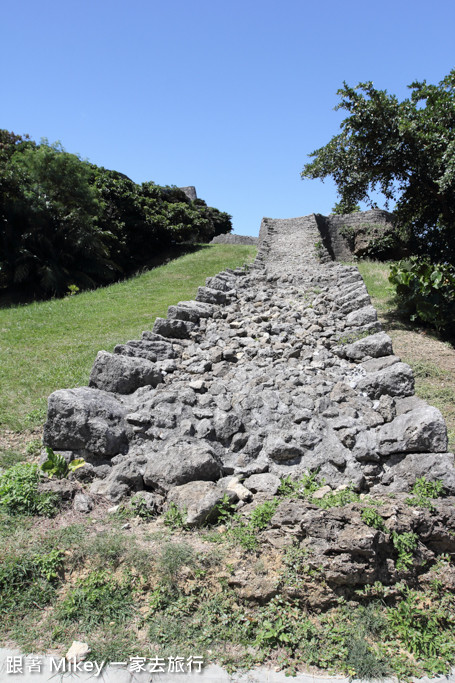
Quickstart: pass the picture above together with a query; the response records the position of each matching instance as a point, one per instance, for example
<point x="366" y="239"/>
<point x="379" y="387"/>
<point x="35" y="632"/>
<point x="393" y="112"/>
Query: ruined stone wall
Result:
<point x="190" y="192"/>
<point x="330" y="226"/>
<point x="229" y="238"/>
<point x="338" y="248"/>
<point x="278" y="370"/>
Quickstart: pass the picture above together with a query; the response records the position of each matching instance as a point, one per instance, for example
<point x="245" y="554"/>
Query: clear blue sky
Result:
<point x="227" y="96"/>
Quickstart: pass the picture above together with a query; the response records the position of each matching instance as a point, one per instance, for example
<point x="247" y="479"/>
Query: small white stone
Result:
<point x="77" y="652"/>
<point x="323" y="491"/>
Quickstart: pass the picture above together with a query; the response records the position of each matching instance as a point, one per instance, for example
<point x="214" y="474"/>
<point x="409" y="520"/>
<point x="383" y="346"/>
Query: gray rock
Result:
<point x="211" y="296"/>
<point x="82" y="503"/>
<point x="198" y="500"/>
<point x="150" y="350"/>
<point x="123" y="374"/>
<point x="375" y="345"/>
<point x="192" y="311"/>
<point x="86" y="419"/>
<point x="178" y="329"/>
<point x="396" y="380"/>
<point x="422" y="430"/>
<point x="179" y="463"/>
<point x="362" y="316"/>
<point x="226" y="425"/>
<point x="402" y="471"/>
<point x="276" y="448"/>
<point x="267" y="483"/>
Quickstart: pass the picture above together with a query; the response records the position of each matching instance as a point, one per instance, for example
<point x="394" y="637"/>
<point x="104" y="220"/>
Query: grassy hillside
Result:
<point x="51" y="345"/>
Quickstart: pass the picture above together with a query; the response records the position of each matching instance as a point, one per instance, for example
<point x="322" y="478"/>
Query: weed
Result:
<point x="33" y="447"/>
<point x="96" y="599"/>
<point x="9" y="458"/>
<point x="424" y="492"/>
<point x="354" y="336"/>
<point x="173" y="557"/>
<point x="364" y="663"/>
<point x="174" y="517"/>
<point x="404" y="544"/>
<point x="424" y="626"/>
<point x="319" y="249"/>
<point x="142" y="509"/>
<point x="224" y="509"/>
<point x="425" y="369"/>
<point x="372" y="518"/>
<point x="294" y="563"/>
<point x="337" y="499"/>
<point x="245" y="533"/>
<point x="19" y="492"/>
<point x="27" y="581"/>
<point x="300" y="488"/>
<point x="263" y="513"/>
<point x="57" y="465"/>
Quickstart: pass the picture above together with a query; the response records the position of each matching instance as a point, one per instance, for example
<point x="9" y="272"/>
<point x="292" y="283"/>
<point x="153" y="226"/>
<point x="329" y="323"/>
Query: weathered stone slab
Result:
<point x="123" y="374"/>
<point x="86" y="419"/>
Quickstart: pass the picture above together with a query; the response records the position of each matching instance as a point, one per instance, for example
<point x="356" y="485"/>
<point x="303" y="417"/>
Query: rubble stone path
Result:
<point x="273" y="371"/>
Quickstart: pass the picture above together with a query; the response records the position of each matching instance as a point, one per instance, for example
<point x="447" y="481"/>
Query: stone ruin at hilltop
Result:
<point x="273" y="371"/>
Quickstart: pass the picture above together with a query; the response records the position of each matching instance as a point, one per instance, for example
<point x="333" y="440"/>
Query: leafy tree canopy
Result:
<point x="66" y="223"/>
<point x="406" y="150"/>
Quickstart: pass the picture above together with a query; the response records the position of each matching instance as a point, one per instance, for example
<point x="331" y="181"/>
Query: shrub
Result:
<point x="425" y="291"/>
<point x="19" y="492"/>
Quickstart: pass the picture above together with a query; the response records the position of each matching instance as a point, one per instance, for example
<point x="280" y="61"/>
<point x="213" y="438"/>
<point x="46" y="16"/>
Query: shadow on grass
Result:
<point x="11" y="297"/>
<point x="394" y="319"/>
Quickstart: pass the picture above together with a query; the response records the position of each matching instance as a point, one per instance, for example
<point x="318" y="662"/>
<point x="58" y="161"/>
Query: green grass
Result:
<point x="51" y="345"/>
<point x="376" y="277"/>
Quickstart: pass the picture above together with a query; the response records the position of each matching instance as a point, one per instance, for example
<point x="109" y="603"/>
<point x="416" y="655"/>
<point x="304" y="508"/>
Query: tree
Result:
<point x="49" y="235"/>
<point x="406" y="150"/>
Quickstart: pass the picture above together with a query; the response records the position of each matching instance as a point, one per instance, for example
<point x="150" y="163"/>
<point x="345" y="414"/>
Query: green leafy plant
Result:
<point x="56" y="465"/>
<point x="245" y="533"/>
<point x="224" y="510"/>
<point x="175" y="517"/>
<point x="300" y="488"/>
<point x="372" y="518"/>
<point x="142" y="509"/>
<point x="73" y="290"/>
<point x="337" y="498"/>
<point x="425" y="291"/>
<point x="319" y="249"/>
<point x="404" y="544"/>
<point x="424" y="626"/>
<point x="424" y="492"/>
<point x="33" y="447"/>
<point x="263" y="513"/>
<point x="19" y="492"/>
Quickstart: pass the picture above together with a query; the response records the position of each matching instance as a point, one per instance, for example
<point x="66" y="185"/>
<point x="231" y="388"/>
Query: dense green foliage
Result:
<point x="404" y="149"/>
<point x="19" y="492"/>
<point x="425" y="291"/>
<point x="65" y="222"/>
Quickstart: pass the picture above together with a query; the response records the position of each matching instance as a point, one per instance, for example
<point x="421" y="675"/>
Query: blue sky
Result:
<point x="228" y="96"/>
